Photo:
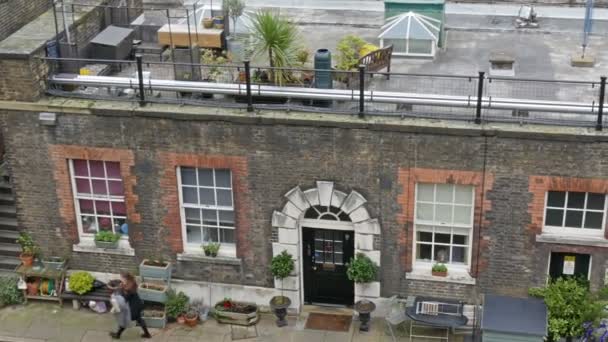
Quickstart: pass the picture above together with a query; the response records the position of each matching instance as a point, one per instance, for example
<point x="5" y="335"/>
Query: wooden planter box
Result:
<point x="152" y="294"/>
<point x="228" y="317"/>
<point x="148" y="271"/>
<point x="106" y="245"/>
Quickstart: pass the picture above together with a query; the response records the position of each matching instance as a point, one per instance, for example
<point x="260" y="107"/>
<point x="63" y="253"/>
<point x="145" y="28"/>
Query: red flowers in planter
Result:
<point x="227" y="304"/>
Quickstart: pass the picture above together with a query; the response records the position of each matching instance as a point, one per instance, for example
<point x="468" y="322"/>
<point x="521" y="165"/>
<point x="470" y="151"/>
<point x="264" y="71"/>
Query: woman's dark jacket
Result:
<point x="135" y="304"/>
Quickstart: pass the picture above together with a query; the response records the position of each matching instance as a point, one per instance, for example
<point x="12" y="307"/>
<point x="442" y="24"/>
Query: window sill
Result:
<point x="454" y="276"/>
<point x="572" y="240"/>
<point x="220" y="260"/>
<point x="88" y="246"/>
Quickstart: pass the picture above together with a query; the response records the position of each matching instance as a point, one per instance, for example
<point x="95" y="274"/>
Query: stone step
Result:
<point x="8" y="223"/>
<point x="7" y="199"/>
<point x="9" y="263"/>
<point x="9" y="249"/>
<point x="8" y="236"/>
<point x="5" y="187"/>
<point x="8" y="211"/>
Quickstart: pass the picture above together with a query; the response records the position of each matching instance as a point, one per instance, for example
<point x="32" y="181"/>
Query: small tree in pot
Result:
<point x="363" y="270"/>
<point x="281" y="267"/>
<point x="29" y="250"/>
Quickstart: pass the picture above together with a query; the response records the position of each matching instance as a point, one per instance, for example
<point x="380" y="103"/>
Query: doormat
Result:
<point x="319" y="321"/>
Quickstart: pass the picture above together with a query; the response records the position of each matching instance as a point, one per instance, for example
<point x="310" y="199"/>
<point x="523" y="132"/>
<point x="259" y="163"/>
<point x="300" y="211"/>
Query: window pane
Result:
<point x="464" y="194"/>
<point x="459" y="254"/>
<point x="593" y="220"/>
<point x="97" y="168"/>
<point x="113" y="170"/>
<point x="207" y="196"/>
<point x="555" y="217"/>
<point x="224" y="198"/>
<point x="442" y="238"/>
<point x="424" y="211"/>
<point x="188" y="176"/>
<point x="556" y="199"/>
<point x="222" y="178"/>
<point x="595" y="201"/>
<point x="443" y="213"/>
<point x="193" y="216"/>
<point x="193" y="234"/>
<point x="425" y="236"/>
<point x="102" y="207"/>
<point x="83" y="186"/>
<point x="576" y="200"/>
<point x="338" y="259"/>
<point x="226" y="218"/>
<point x="81" y="168"/>
<point x="574" y="218"/>
<point x="425" y="192"/>
<point x="444" y="193"/>
<point x="205" y="177"/>
<point x="105" y="223"/>
<point x="423" y="252"/>
<point x="86" y="206"/>
<point x="89" y="225"/>
<point x="442" y="253"/>
<point x="210" y="235"/>
<point x="459" y="239"/>
<point x="99" y="187"/>
<point x="227" y="235"/>
<point x="210" y="217"/>
<point x="115" y="188"/>
<point x="119" y="209"/>
<point x="120" y="227"/>
<point x="462" y="215"/>
<point x="190" y="195"/>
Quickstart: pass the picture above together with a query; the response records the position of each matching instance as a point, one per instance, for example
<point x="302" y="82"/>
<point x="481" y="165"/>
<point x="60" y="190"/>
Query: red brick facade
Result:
<point x="60" y="156"/>
<point x="408" y="179"/>
<point x="170" y="195"/>
<point x="539" y="185"/>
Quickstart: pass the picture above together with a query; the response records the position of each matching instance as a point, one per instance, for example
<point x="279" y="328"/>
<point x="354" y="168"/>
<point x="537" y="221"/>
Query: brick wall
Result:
<point x="16" y="13"/>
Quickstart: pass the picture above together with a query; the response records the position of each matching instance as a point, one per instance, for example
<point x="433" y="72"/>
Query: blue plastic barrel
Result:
<point x="323" y="79"/>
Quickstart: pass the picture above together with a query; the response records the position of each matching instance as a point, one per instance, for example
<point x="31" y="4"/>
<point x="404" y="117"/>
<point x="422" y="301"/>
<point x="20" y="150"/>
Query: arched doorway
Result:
<point x="323" y="228"/>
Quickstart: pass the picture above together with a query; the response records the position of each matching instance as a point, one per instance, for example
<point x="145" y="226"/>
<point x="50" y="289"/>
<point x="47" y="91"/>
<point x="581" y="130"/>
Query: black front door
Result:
<point x="569" y="265"/>
<point x="326" y="254"/>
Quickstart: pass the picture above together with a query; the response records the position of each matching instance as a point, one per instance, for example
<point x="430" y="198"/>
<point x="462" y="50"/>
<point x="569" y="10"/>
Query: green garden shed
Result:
<point x="434" y="9"/>
<point x="508" y="319"/>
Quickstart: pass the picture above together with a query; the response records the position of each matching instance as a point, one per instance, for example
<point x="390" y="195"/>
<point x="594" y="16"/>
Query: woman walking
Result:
<point x="136" y="305"/>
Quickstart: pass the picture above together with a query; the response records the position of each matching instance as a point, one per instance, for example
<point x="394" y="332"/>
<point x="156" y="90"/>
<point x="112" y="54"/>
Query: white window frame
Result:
<point x="76" y="196"/>
<point x="407" y="52"/>
<point x="563" y="230"/>
<point x="422" y="264"/>
<point x="226" y="249"/>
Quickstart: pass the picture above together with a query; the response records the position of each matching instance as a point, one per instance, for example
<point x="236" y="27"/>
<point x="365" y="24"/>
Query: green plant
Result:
<point x="235" y="9"/>
<point x="28" y="247"/>
<point x="9" y="293"/>
<point x="348" y="52"/>
<point x="107" y="236"/>
<point x="362" y="269"/>
<point x="213" y="61"/>
<point x="277" y="38"/>
<point x="570" y="305"/>
<point x="302" y="56"/>
<point x="281" y="267"/>
<point x="439" y="267"/>
<point x="211" y="248"/>
<point x="177" y="303"/>
<point x="81" y="282"/>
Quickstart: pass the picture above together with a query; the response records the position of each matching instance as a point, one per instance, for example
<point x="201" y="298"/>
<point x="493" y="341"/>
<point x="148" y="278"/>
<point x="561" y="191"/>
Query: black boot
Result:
<point x="116" y="335"/>
<point x="143" y="326"/>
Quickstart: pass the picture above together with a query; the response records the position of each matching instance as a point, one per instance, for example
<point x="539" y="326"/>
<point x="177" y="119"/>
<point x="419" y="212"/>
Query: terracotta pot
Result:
<point x="32" y="288"/>
<point x="242" y="77"/>
<point x="27" y="259"/>
<point x="191" y="321"/>
<point x="439" y="274"/>
<point x="181" y="319"/>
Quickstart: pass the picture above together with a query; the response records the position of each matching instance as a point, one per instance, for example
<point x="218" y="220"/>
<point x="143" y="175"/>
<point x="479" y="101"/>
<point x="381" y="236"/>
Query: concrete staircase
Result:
<point x="9" y="249"/>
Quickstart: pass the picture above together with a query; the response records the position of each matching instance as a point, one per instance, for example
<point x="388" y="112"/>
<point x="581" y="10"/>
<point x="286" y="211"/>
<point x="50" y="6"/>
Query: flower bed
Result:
<point x="239" y="313"/>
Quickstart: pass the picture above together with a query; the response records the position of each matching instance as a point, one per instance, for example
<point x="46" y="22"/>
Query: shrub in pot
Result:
<point x="439" y="270"/>
<point x="211" y="249"/>
<point x="237" y="313"/>
<point x="281" y="267"/>
<point x="81" y="282"/>
<point x="29" y="250"/>
<point x="106" y="239"/>
<point x="176" y="304"/>
<point x="363" y="270"/>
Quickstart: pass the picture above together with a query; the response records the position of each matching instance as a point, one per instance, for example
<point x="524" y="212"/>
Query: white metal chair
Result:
<point x="396" y="315"/>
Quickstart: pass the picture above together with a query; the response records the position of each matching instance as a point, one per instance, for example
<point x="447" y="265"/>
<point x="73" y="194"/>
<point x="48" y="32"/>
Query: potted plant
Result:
<point x="212" y="63"/>
<point x="348" y="56"/>
<point x="281" y="267"/>
<point x="29" y="250"/>
<point x="107" y="239"/>
<point x="211" y="249"/>
<point x="33" y="285"/>
<point x="233" y="312"/>
<point x="191" y="317"/>
<point x="363" y="270"/>
<point x="81" y="282"/>
<point x="302" y="56"/>
<point x="155" y="268"/>
<point x="235" y="10"/>
<point x="176" y="304"/>
<point x="154" y="315"/>
<point x="153" y="292"/>
<point x="198" y="306"/>
<point x="439" y="270"/>
<point x="53" y="263"/>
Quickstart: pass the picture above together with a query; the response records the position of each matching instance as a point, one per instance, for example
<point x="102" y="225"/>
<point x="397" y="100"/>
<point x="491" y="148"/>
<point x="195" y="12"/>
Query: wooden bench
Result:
<point x="378" y="60"/>
<point x="101" y="294"/>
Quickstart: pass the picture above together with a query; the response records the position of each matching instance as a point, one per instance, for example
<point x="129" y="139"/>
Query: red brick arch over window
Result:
<point x="170" y="195"/>
<point x="539" y="185"/>
<point x="408" y="179"/>
<point x="60" y="156"/>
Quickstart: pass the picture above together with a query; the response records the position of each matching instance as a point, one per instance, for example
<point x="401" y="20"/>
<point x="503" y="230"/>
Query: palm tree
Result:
<point x="277" y="37"/>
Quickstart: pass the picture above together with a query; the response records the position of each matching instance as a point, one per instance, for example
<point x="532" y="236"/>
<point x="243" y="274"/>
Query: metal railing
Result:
<point x="473" y="98"/>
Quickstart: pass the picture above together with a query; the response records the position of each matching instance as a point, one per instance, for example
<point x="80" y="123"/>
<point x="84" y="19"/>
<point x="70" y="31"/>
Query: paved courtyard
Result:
<point x="39" y="322"/>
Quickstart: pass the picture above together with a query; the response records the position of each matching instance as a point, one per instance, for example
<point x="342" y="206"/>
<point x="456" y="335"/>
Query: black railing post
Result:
<point x="248" y="85"/>
<point x="600" y="109"/>
<point x="479" y="97"/>
<point x="140" y="76"/>
<point x="361" y="90"/>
